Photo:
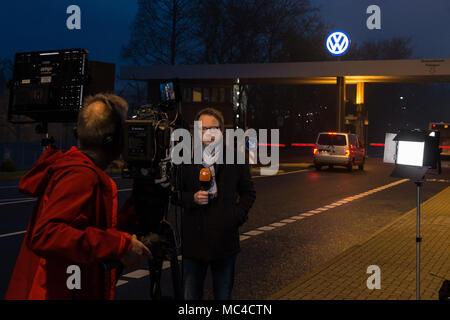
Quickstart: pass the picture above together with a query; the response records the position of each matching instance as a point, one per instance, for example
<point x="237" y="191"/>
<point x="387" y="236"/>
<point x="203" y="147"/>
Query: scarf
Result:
<point x="209" y="159"/>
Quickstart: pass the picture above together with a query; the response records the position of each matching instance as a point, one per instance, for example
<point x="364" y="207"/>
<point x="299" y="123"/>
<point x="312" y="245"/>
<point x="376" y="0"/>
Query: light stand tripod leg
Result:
<point x="418" y="240"/>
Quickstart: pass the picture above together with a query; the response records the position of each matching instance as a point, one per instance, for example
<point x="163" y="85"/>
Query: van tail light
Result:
<point x="347" y="152"/>
<point x="315" y="151"/>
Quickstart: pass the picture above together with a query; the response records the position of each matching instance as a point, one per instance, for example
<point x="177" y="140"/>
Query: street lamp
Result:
<point x="414" y="152"/>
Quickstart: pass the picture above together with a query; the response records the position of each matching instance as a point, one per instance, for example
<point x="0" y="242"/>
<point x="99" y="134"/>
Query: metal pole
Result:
<point x="45" y="140"/>
<point x="418" y="240"/>
<point x="340" y="114"/>
<point x="44" y="137"/>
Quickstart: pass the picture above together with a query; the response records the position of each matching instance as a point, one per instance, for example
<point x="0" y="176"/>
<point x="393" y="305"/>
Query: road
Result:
<point x="301" y="219"/>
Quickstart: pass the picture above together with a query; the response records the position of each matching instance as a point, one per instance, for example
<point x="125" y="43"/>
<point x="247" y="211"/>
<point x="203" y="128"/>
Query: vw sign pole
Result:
<point x="337" y="44"/>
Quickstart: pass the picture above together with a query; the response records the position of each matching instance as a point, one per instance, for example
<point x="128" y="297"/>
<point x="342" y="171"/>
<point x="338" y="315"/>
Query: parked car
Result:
<point x="339" y="149"/>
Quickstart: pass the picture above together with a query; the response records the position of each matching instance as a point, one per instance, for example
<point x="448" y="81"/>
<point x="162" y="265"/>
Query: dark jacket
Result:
<point x="211" y="231"/>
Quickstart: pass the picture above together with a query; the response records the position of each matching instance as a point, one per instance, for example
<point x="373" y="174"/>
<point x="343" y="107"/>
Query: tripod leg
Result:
<point x="155" y="268"/>
<point x="418" y="240"/>
<point x="174" y="268"/>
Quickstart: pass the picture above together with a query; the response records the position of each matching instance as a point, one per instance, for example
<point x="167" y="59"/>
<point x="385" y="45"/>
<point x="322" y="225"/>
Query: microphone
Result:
<point x="205" y="179"/>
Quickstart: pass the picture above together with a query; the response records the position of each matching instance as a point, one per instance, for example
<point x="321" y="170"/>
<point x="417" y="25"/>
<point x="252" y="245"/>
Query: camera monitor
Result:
<point x="49" y="86"/>
<point x="168" y="93"/>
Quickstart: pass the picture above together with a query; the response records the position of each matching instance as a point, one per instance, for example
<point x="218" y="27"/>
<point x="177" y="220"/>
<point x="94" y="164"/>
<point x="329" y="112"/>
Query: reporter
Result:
<point x="212" y="218"/>
<point x="75" y="221"/>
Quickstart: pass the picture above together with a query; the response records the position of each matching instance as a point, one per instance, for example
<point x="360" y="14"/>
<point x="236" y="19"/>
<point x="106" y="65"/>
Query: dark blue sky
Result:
<point x="29" y="25"/>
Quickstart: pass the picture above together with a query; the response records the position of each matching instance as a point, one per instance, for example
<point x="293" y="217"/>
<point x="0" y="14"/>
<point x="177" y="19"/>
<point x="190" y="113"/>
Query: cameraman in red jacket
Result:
<point x="75" y="221"/>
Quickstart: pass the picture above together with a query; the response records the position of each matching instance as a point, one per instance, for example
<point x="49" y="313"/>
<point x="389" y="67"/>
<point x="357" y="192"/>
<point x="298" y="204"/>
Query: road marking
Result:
<point x="253" y="233"/>
<point x="137" y="274"/>
<point x="297" y="217"/>
<point x="277" y="224"/>
<point x="12" y="234"/>
<point x="13" y="202"/>
<point x="242" y="238"/>
<point x="310" y="213"/>
<point x="267" y="228"/>
<point x="438" y="180"/>
<point x="337" y="204"/>
<point x="121" y="282"/>
<point x="287" y="221"/>
<point x="16" y="199"/>
<point x="283" y="173"/>
<point x="23" y="200"/>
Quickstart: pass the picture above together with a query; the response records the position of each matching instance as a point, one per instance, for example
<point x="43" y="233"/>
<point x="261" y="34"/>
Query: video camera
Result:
<point x="147" y="146"/>
<point x="147" y="156"/>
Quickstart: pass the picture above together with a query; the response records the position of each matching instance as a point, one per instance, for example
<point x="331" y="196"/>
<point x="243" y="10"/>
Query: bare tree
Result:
<point x="233" y="31"/>
<point x="162" y="33"/>
<point x="395" y="48"/>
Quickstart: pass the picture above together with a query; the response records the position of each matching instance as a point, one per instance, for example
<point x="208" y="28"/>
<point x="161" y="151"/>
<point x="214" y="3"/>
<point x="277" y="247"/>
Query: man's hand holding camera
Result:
<point x="133" y="257"/>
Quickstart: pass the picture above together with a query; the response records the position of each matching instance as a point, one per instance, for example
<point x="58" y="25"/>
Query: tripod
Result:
<point x="42" y="129"/>
<point x="418" y="241"/>
<point x="152" y="202"/>
<point x="162" y="245"/>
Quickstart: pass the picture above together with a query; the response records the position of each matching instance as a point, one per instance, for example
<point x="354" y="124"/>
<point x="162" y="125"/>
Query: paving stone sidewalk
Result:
<point x="393" y="249"/>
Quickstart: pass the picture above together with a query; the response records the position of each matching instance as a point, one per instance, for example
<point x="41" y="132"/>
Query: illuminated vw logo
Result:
<point x="337" y="43"/>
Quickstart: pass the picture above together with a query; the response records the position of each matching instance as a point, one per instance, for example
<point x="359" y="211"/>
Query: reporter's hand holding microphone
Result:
<point x="201" y="197"/>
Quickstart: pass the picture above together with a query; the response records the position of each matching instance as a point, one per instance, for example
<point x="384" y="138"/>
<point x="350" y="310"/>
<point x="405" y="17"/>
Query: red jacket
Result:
<point x="75" y="222"/>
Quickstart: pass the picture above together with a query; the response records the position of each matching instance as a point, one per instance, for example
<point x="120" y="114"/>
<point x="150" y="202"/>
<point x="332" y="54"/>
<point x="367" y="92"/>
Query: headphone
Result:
<point x="112" y="142"/>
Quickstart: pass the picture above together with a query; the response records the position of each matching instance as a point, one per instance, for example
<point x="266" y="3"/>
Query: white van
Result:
<point x="341" y="149"/>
